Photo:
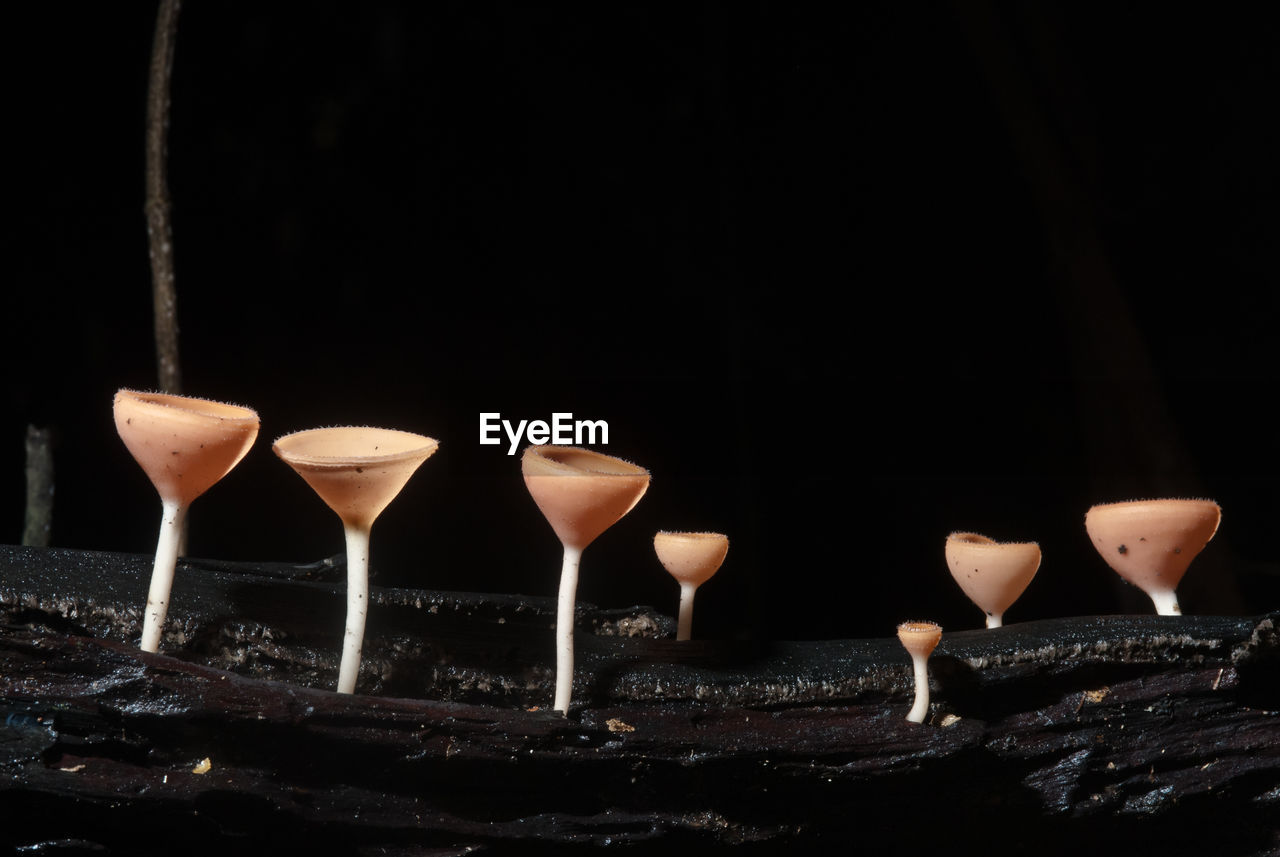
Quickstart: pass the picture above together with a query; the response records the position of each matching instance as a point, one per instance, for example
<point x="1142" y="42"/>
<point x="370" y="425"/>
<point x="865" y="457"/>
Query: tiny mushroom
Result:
<point x="993" y="574"/>
<point x="184" y="445"/>
<point x="920" y="639"/>
<point x="357" y="471"/>
<point x="1150" y="543"/>
<point x="581" y="493"/>
<point x="691" y="558"/>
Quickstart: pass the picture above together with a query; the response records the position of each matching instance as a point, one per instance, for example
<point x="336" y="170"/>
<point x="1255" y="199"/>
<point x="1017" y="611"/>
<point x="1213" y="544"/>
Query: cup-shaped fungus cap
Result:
<point x="1150" y="543"/>
<point x="581" y="492"/>
<point x="356" y="470"/>
<point x="920" y="638"/>
<point x="691" y="558"/>
<point x="993" y="574"/>
<point x="184" y="444"/>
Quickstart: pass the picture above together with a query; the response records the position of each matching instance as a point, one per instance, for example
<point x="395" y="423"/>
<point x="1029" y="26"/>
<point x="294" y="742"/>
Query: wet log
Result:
<point x="1155" y="734"/>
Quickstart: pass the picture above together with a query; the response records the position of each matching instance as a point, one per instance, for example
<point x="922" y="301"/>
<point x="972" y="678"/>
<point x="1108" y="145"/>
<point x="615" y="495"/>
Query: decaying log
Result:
<point x="1157" y="734"/>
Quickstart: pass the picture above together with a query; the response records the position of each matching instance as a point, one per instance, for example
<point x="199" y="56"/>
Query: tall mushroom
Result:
<point x="184" y="445"/>
<point x="357" y="471"/>
<point x="993" y="574"/>
<point x="1150" y="543"/>
<point x="582" y="493"/>
<point x="691" y="558"/>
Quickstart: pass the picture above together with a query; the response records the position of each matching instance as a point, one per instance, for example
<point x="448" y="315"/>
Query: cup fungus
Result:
<point x="357" y="471"/>
<point x="993" y="574"/>
<point x="582" y="493"/>
<point x="920" y="639"/>
<point x="1150" y="543"/>
<point x="691" y="558"/>
<point x="184" y="445"/>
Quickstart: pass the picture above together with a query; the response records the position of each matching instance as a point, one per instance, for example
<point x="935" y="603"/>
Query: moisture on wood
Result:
<point x="1066" y="736"/>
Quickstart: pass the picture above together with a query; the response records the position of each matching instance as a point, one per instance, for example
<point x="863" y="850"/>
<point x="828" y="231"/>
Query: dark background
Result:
<point x="843" y="280"/>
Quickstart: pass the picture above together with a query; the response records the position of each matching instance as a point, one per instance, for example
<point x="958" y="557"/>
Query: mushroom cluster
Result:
<point x="582" y="493"/>
<point x="1149" y="543"/>
<point x="185" y="445"/>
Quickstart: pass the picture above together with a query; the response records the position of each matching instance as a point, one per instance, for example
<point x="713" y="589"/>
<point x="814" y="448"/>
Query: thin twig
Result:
<point x="159" y="226"/>
<point x="39" y="517"/>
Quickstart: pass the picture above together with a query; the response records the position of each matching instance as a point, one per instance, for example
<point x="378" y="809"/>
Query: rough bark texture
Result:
<point x="1153" y="734"/>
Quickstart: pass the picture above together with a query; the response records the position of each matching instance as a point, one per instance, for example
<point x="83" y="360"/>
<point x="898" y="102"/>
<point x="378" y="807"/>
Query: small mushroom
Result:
<point x="691" y="558"/>
<point x="920" y="639"/>
<point x="357" y="471"/>
<point x="993" y="574"/>
<point x="1150" y="543"/>
<point x="184" y="445"/>
<point x="582" y="493"/>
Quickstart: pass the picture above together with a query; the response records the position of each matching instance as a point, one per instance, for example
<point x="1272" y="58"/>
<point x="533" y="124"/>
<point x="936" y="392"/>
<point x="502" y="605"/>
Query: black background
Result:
<point x="843" y="278"/>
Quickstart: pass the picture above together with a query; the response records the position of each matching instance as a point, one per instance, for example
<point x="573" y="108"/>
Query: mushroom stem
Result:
<point x="357" y="606"/>
<point x="171" y="521"/>
<point x="684" y="629"/>
<point x="1166" y="602"/>
<point x="918" y="711"/>
<point x="920" y="639"/>
<point x="995" y="620"/>
<point x="564" y="627"/>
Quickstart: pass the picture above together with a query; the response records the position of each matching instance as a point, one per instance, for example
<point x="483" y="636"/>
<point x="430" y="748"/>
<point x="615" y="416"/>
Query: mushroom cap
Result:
<point x="184" y="444"/>
<point x="581" y="492"/>
<point x="993" y="574"/>
<point x="920" y="638"/>
<point x="691" y="558"/>
<point x="1150" y="543"/>
<point x="356" y="470"/>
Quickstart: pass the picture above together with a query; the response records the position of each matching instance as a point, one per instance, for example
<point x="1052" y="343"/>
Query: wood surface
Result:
<point x="1142" y="733"/>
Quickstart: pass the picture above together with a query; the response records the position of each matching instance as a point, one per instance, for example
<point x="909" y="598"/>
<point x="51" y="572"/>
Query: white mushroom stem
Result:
<point x="171" y="526"/>
<point x="920" y="663"/>
<point x="684" y="628"/>
<point x="564" y="628"/>
<point x="920" y="639"/>
<point x="1166" y="602"/>
<point x="357" y="606"/>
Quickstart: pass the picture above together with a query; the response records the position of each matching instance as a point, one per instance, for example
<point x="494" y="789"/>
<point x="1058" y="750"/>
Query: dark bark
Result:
<point x="1150" y="733"/>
